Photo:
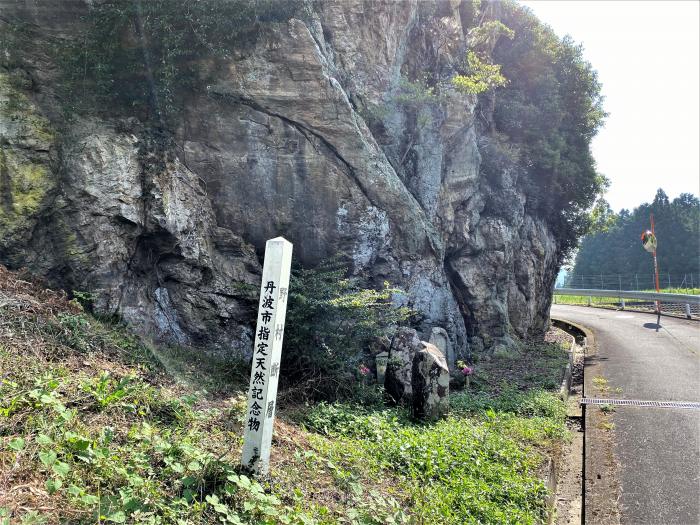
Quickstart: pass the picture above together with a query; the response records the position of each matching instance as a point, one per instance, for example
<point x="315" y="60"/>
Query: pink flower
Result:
<point x="364" y="370"/>
<point x="467" y="370"/>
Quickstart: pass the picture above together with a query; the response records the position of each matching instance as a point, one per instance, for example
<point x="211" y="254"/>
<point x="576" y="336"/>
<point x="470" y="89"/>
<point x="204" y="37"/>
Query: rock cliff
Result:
<point x="309" y="132"/>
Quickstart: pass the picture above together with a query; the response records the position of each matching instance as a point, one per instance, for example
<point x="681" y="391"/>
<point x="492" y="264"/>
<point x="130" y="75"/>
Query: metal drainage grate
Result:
<point x="638" y="403"/>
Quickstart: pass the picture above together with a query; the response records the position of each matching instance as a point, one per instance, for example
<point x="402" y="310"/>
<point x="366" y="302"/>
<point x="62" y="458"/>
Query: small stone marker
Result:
<point x="439" y="338"/>
<point x="430" y="382"/>
<point x="267" y="353"/>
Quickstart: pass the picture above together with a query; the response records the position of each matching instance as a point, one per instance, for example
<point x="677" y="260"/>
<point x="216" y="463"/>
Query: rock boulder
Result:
<point x="398" y="372"/>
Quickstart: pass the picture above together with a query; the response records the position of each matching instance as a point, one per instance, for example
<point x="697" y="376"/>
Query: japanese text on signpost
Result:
<point x="267" y="352"/>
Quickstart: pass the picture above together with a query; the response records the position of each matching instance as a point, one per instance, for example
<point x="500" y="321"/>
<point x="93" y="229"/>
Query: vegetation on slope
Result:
<point x="96" y="427"/>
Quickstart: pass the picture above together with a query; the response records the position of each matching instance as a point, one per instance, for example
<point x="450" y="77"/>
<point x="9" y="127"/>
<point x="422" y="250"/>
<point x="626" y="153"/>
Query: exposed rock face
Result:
<point x="303" y="135"/>
<point x="430" y="382"/>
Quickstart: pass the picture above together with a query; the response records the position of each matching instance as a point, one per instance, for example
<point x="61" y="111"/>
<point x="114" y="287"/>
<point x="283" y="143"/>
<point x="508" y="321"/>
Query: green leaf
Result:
<point x="43" y="439"/>
<point x="234" y="518"/>
<point x="194" y="466"/>
<point x="116" y="517"/>
<point x="188" y="481"/>
<point x="89" y="499"/>
<point x="47" y="400"/>
<point x="48" y="458"/>
<point x="61" y="468"/>
<point x="52" y="485"/>
<point x="17" y="444"/>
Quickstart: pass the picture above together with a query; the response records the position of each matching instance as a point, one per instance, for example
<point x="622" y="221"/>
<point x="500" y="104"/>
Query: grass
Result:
<point x="630" y="304"/>
<point x="583" y="299"/>
<point x="97" y="427"/>
<point x="468" y="468"/>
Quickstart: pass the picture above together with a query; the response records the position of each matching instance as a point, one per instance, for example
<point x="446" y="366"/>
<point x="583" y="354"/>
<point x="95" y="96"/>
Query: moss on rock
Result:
<point x="25" y="176"/>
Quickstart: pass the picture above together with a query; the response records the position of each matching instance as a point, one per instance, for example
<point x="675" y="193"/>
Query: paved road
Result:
<point x="658" y="448"/>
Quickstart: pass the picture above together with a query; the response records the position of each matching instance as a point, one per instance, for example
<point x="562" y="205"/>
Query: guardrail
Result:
<point x="672" y="298"/>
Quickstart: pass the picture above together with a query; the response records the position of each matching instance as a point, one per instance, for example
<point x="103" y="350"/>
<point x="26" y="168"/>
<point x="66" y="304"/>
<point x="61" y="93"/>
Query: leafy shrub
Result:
<point x="481" y="76"/>
<point x="533" y="403"/>
<point x="416" y="93"/>
<point x="331" y="321"/>
<point x="352" y="421"/>
<point x="84" y="299"/>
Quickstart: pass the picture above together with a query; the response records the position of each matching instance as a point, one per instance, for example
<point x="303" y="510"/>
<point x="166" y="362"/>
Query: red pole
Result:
<point x="656" y="266"/>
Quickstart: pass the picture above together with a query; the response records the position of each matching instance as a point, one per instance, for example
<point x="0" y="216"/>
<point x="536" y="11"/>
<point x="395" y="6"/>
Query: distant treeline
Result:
<point x="614" y="246"/>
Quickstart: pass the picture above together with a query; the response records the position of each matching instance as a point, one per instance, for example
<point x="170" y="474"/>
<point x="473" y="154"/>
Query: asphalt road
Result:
<point x="658" y="449"/>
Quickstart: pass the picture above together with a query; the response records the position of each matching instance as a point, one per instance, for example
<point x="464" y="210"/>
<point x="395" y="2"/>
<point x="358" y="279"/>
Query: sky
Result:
<point x="647" y="57"/>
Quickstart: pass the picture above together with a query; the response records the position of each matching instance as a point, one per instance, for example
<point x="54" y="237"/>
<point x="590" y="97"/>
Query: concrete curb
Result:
<point x="565" y="388"/>
<point x="601" y="489"/>
<point x="552" y="464"/>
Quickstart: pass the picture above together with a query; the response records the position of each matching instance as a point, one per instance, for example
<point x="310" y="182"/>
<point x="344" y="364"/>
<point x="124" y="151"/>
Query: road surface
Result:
<point x="658" y="449"/>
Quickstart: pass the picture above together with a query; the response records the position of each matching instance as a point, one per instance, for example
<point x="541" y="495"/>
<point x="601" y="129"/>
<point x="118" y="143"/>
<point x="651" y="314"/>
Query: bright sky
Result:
<point x="646" y="55"/>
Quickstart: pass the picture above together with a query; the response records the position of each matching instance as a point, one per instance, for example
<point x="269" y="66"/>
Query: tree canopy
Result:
<point x="544" y="119"/>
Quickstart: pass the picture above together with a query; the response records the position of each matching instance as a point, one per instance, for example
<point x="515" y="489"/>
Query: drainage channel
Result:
<point x="639" y="403"/>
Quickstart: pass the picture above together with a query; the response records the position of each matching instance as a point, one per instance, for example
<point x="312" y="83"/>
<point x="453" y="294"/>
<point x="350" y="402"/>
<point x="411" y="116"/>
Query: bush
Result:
<point x="482" y="76"/>
<point x="331" y="322"/>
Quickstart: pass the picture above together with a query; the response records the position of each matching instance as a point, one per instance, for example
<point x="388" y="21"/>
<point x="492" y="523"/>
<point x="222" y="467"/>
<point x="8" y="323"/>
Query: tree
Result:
<point x="602" y="216"/>
<point x="617" y="248"/>
<point x="546" y="115"/>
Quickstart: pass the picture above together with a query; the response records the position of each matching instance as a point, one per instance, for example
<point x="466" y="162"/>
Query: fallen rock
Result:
<point x="430" y="383"/>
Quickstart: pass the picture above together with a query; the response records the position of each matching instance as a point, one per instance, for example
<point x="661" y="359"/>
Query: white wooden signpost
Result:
<point x="267" y="353"/>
